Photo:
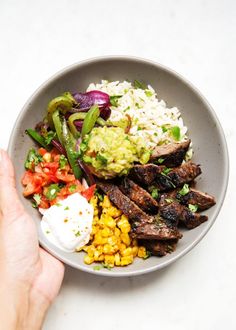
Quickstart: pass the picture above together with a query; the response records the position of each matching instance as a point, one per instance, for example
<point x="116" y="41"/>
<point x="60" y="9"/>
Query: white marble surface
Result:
<point x="197" y="39"/>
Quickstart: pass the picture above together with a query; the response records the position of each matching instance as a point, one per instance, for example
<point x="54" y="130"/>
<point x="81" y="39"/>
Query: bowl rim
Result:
<point x="218" y="206"/>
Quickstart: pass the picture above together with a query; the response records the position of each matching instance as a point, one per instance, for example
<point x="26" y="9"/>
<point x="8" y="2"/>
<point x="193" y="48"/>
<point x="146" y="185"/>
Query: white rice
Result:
<point x="149" y="115"/>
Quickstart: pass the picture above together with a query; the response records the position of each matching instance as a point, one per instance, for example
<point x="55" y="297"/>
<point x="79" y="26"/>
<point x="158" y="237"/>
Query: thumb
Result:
<point x="10" y="204"/>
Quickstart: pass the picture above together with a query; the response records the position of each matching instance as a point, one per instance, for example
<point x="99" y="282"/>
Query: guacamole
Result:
<point x="111" y="152"/>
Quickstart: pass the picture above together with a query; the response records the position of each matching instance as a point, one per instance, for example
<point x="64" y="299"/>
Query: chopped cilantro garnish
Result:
<point x="66" y="208"/>
<point x="165" y="171"/>
<point x="155" y="134"/>
<point x="100" y="196"/>
<point x="49" y="136"/>
<point x="102" y="159"/>
<point x="37" y="199"/>
<point x="139" y="128"/>
<point x="139" y="84"/>
<point x="58" y="204"/>
<point x="33" y="158"/>
<point x="97" y="267"/>
<point x="148" y="255"/>
<point x="185" y="190"/>
<point x="63" y="162"/>
<point x="52" y="191"/>
<point x="114" y="100"/>
<point x="175" y="131"/>
<point x="148" y="92"/>
<point x="193" y="208"/>
<point x="77" y="234"/>
<point x="164" y="129"/>
<point x="160" y="160"/>
<point x="106" y="266"/>
<point x="72" y="188"/>
<point x="154" y="193"/>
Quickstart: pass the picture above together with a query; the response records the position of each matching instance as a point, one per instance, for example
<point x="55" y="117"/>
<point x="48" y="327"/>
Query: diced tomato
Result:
<point x="44" y="203"/>
<point x="42" y="151"/>
<point x="53" y="166"/>
<point x="88" y="193"/>
<point x="64" y="176"/>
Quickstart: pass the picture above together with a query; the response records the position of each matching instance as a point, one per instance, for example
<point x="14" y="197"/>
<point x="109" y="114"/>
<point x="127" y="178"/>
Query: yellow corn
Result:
<point x="126" y="260"/>
<point x="125" y="238"/>
<point x="110" y="242"/>
<point x="142" y="252"/>
<point x="88" y="260"/>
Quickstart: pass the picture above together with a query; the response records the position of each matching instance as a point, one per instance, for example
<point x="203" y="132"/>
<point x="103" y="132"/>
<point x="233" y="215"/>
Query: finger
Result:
<point x="9" y="200"/>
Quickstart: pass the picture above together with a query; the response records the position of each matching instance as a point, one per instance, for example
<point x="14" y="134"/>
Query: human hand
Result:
<point x="30" y="278"/>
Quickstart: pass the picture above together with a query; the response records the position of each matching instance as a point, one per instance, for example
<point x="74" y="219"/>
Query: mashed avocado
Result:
<point x="111" y="152"/>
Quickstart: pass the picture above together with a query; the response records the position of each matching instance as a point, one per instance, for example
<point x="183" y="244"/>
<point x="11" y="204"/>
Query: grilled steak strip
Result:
<point x="130" y="209"/>
<point x="170" y="155"/>
<point x="139" y="196"/>
<point x="175" y="213"/>
<point x="177" y="176"/>
<point x="145" y="174"/>
<point x="156" y="230"/>
<point x="159" y="248"/>
<point x="192" y="220"/>
<point x="195" y="197"/>
<point x="143" y="225"/>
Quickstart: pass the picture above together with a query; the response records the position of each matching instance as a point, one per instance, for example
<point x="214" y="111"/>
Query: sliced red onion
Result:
<point x="87" y="172"/>
<point x="59" y="147"/>
<point x="86" y="100"/>
<point x="105" y="113"/>
<point x="78" y="124"/>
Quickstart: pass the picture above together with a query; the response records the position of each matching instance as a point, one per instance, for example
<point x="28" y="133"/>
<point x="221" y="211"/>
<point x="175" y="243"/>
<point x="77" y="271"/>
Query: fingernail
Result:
<point x="0" y="155"/>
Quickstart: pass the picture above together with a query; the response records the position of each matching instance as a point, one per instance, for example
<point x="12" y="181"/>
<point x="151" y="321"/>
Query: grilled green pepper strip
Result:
<point x="90" y="120"/>
<point x="69" y="143"/>
<point x="57" y="124"/>
<point x="37" y="137"/>
<point x="72" y="118"/>
<point x="64" y="103"/>
<point x="81" y="116"/>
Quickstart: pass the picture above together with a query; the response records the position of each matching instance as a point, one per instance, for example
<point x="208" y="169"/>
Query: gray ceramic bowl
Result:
<point x="204" y="129"/>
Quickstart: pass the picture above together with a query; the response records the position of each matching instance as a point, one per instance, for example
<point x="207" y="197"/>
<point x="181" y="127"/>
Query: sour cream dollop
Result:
<point x="68" y="224"/>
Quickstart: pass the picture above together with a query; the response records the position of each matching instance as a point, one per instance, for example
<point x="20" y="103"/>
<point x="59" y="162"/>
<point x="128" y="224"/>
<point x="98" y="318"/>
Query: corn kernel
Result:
<point x="108" y="249"/>
<point x="106" y="202"/>
<point x="122" y="247"/>
<point x="124" y="224"/>
<point x="109" y="260"/>
<point x="125" y="238"/>
<point x="134" y="251"/>
<point x="88" y="260"/>
<point x="126" y="260"/>
<point x="113" y="212"/>
<point x="126" y="252"/>
<point x="117" y="232"/>
<point x="91" y="250"/>
<point x="112" y="240"/>
<point x="108" y="221"/>
<point x="47" y="157"/>
<point x="142" y="252"/>
<point x="117" y="259"/>
<point x="106" y="232"/>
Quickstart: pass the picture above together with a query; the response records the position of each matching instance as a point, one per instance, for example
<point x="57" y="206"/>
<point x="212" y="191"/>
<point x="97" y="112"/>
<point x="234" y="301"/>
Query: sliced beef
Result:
<point x="159" y="229"/>
<point x="129" y="208"/>
<point x="185" y="173"/>
<point x="174" y="213"/>
<point x="190" y="219"/>
<point x="139" y="196"/>
<point x="143" y="225"/>
<point x="195" y="197"/>
<point x="159" y="248"/>
<point x="170" y="155"/>
<point x="145" y="174"/>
